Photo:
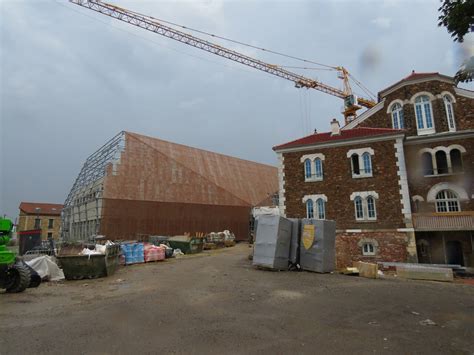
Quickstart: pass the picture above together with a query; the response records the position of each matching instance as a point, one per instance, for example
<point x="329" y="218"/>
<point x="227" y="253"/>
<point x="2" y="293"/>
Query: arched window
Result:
<point x="359" y="212"/>
<point x="397" y="116"/>
<point x="441" y="162"/>
<point x="321" y="208"/>
<point x="447" y="201"/>
<point x="355" y="164"/>
<point x="427" y="163"/>
<point x="367" y="163"/>
<point x="456" y="160"/>
<point x="309" y="209"/>
<point x="424" y="119"/>
<point x="448" y="105"/>
<point x="371" y="208"/>
<point x="307" y="168"/>
<point x="318" y="165"/>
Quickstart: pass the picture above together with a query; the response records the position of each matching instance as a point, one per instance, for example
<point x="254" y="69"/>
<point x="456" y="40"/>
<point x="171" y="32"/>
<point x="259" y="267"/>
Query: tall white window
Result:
<point x="364" y="205"/>
<point x="447" y="201"/>
<point x="359" y="211"/>
<point x="367" y="163"/>
<point x="318" y="167"/>
<point x="397" y="116"/>
<point x="424" y="115"/>
<point x="371" y="208"/>
<point x="307" y="169"/>
<point x="448" y="105"/>
<point x="321" y="208"/>
<point x="309" y="209"/>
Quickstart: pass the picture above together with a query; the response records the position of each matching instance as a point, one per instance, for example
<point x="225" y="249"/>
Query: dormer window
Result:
<point x="448" y="105"/>
<point x="397" y="116"/>
<point x="424" y="115"/>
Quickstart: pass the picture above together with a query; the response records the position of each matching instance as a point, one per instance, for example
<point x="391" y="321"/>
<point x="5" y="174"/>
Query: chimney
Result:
<point x="335" y="129"/>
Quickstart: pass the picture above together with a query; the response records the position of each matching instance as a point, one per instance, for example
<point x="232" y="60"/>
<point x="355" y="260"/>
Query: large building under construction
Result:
<point x="136" y="185"/>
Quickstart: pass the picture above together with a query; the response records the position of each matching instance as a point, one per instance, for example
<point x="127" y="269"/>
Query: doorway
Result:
<point x="454" y="253"/>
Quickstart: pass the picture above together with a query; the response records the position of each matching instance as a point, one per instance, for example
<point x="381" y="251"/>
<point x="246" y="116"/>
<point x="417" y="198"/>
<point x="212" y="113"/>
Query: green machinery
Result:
<point x="15" y="276"/>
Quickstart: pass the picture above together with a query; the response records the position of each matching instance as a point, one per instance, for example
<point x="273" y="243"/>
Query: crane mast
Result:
<point x="351" y="103"/>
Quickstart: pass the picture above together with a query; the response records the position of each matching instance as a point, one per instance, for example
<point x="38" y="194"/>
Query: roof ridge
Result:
<point x="187" y="167"/>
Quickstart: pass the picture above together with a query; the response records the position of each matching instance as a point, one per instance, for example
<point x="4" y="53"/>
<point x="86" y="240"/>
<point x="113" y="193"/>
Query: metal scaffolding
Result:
<point x="87" y="191"/>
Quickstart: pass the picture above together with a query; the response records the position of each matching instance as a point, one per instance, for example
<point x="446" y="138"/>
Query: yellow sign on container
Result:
<point x="308" y="236"/>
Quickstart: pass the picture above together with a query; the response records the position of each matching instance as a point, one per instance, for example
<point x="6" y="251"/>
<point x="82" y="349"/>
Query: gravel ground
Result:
<point x="216" y="302"/>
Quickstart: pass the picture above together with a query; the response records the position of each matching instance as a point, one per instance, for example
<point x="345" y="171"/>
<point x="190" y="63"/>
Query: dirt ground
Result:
<point x="216" y="302"/>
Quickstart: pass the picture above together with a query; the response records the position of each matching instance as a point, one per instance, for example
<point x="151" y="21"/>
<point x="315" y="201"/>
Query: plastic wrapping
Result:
<point x="272" y="242"/>
<point x="317" y="245"/>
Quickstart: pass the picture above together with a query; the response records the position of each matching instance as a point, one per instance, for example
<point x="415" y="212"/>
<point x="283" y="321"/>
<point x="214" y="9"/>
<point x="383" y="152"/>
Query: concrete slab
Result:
<point x="425" y="273"/>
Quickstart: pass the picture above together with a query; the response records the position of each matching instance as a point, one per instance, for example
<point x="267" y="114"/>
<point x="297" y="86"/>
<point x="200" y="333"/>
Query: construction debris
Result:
<point x="416" y="272"/>
<point x="367" y="270"/>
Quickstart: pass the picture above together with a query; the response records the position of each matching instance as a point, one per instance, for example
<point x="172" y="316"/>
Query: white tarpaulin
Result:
<point x="46" y="268"/>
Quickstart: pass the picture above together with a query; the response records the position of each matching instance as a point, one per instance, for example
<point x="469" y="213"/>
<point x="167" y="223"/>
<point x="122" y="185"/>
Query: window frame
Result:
<point x="37" y="223"/>
<point x="449" y="108"/>
<point x="321" y="209"/>
<point x="368" y="252"/>
<point x="308" y="214"/>
<point x="398" y="119"/>
<point x="374" y="216"/>
<point x="307" y="164"/>
<point x="446" y="201"/>
<point x="357" y="157"/>
<point x="356" y="209"/>
<point x="420" y="107"/>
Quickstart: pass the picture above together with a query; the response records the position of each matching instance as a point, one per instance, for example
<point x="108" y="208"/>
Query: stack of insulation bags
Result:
<point x="135" y="253"/>
<point x="153" y="253"/>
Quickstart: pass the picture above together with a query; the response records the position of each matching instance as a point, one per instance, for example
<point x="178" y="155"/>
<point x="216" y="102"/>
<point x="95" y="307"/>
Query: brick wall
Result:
<point x="338" y="185"/>
<point x="463" y="108"/>
<point x="391" y="246"/>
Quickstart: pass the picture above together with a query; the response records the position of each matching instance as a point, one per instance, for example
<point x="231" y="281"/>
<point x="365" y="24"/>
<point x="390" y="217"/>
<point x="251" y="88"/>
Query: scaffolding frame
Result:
<point x="94" y="169"/>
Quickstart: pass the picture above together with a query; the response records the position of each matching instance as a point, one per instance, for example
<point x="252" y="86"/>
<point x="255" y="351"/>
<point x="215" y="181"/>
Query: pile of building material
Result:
<point x="282" y="244"/>
<point x="218" y="240"/>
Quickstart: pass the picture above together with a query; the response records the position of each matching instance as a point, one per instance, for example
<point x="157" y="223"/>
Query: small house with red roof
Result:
<point x="40" y="216"/>
<point x="398" y="179"/>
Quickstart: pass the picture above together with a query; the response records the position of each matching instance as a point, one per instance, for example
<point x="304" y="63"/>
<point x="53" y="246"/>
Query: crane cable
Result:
<point x="329" y="67"/>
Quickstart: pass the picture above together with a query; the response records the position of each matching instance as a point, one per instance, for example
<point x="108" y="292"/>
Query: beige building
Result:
<point x="43" y="216"/>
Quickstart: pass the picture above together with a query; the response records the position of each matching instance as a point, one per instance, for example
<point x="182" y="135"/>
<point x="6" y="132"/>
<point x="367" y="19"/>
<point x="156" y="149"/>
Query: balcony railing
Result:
<point x="444" y="221"/>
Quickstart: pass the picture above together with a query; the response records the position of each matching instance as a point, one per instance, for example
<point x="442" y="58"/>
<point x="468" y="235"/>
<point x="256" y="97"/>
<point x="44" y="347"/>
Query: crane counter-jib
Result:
<point x="153" y="25"/>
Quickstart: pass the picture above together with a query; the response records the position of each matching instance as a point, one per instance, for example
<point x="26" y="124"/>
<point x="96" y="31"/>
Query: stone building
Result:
<point x="137" y="185"/>
<point x="43" y="216"/>
<point x="398" y="180"/>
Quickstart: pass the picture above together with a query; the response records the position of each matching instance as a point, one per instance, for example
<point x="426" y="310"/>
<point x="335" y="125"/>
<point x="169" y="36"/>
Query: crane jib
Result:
<point x="153" y="25"/>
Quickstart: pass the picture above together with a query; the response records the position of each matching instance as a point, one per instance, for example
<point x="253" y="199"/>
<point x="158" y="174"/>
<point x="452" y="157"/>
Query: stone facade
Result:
<point x="406" y="193"/>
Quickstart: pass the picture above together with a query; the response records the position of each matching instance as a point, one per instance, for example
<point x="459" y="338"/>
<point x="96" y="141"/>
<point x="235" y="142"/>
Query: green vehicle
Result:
<point x="15" y="276"/>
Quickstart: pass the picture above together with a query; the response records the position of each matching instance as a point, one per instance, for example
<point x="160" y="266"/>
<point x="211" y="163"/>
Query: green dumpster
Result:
<point x="77" y="267"/>
<point x="187" y="244"/>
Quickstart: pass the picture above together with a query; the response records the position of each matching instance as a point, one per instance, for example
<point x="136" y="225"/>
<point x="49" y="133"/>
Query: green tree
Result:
<point x="458" y="18"/>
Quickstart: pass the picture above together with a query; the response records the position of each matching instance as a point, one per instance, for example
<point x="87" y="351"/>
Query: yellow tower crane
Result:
<point x="351" y="102"/>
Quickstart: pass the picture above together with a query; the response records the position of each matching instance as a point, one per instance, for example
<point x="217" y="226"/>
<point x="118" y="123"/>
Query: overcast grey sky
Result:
<point x="71" y="79"/>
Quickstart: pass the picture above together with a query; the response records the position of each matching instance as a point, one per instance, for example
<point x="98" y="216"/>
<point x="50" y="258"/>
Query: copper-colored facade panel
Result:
<point x="125" y="219"/>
